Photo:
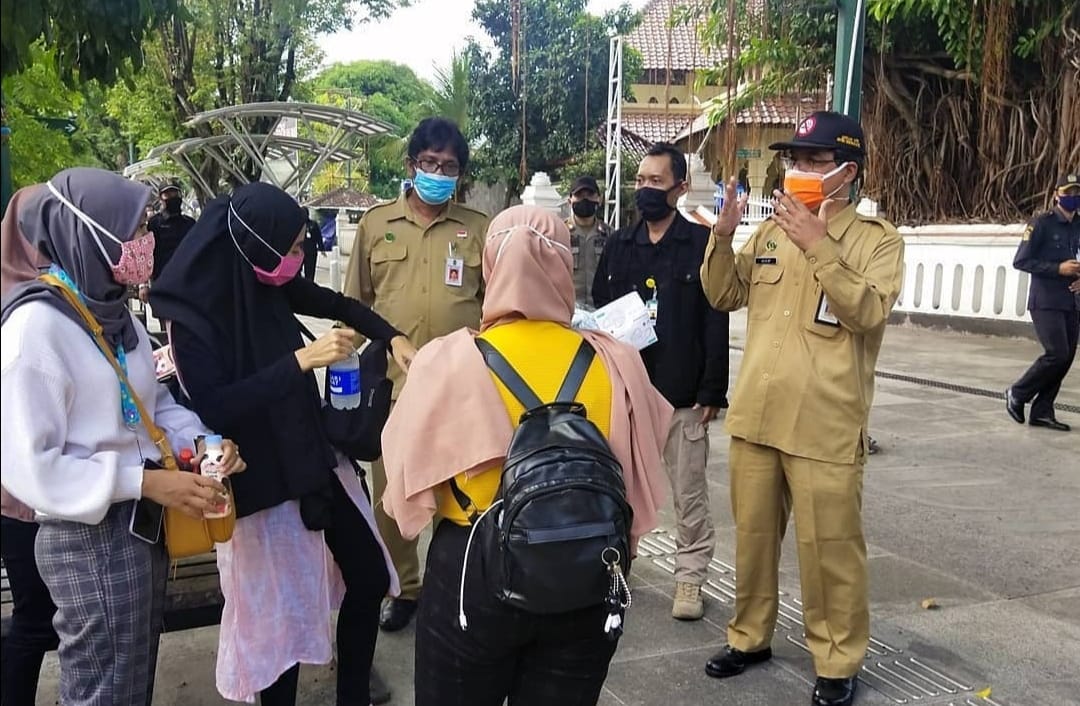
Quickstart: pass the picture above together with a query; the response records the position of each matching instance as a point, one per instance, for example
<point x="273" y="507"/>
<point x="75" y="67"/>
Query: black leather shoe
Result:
<point x="729" y="661"/>
<point x="1050" y="423"/>
<point x="377" y="689"/>
<point x="835" y="692"/>
<point x="1014" y="408"/>
<point x="396" y="614"/>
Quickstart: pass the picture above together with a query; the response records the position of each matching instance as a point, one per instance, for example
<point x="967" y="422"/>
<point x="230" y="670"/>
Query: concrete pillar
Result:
<point x="541" y="193"/>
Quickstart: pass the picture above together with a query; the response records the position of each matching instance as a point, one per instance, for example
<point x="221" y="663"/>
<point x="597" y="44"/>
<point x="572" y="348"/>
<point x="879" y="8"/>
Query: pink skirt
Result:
<point x="280" y="584"/>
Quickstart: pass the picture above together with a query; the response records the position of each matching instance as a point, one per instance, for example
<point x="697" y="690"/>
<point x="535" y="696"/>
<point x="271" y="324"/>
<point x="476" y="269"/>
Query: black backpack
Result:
<point x="560" y="524"/>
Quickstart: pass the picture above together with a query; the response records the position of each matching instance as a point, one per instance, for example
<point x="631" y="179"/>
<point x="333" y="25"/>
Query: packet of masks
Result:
<point x="625" y="319"/>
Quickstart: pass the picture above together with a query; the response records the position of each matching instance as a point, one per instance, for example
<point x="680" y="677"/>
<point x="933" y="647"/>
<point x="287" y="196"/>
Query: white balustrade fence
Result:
<point x="958" y="270"/>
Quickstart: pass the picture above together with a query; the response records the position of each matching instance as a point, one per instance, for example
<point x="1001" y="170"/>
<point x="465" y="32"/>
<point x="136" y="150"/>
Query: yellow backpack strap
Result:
<point x="98" y="333"/>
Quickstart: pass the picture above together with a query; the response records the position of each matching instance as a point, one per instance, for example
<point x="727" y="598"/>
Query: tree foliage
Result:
<point x="561" y="86"/>
<point x="91" y="39"/>
<point x="971" y="109"/>
<point x="384" y="90"/>
<point x="216" y="53"/>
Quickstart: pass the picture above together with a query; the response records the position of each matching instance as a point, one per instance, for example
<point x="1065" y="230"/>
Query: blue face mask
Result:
<point x="1070" y="203"/>
<point x="434" y="189"/>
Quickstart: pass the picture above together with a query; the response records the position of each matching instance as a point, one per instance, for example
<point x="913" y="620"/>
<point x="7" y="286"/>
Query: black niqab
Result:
<point x="210" y="288"/>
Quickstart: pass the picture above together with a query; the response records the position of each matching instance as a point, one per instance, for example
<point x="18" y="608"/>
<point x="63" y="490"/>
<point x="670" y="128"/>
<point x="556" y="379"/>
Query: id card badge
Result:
<point x="653" y="307"/>
<point x="455" y="269"/>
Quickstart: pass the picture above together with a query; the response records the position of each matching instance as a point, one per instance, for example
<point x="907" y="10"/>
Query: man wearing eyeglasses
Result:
<point x="416" y="261"/>
<point x="819" y="281"/>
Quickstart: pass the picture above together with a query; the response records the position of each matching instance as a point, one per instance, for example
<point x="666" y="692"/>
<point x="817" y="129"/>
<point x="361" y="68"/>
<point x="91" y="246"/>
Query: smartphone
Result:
<point x="147" y="516"/>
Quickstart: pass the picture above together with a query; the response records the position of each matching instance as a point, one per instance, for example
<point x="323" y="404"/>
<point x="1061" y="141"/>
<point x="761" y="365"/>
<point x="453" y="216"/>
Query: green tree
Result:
<point x="55" y="126"/>
<point x="453" y="91"/>
<point x="217" y="53"/>
<point x="92" y="39"/>
<point x="384" y="90"/>
<point x="550" y="65"/>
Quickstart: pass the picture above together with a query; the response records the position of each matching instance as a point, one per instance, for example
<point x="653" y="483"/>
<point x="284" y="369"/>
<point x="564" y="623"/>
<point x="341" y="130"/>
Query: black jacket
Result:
<point x="689" y="362"/>
<point x="168" y="232"/>
<point x="241" y="409"/>
<point x="1048" y="241"/>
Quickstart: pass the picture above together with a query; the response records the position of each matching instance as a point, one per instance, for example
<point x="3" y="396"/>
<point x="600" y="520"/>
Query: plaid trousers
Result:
<point x="109" y="590"/>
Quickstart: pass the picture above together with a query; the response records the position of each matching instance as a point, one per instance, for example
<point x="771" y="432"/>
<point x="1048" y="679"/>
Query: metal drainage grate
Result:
<point x="900" y="677"/>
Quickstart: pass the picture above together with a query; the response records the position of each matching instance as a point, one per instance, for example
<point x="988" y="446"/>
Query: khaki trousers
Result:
<point x="685" y="455"/>
<point x="403" y="552"/>
<point x="766" y="484"/>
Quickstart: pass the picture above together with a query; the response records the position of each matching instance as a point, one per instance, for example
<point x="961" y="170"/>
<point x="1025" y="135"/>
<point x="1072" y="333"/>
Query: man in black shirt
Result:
<point x="1050" y="251"/>
<point x="660" y="257"/>
<point x="169" y="227"/>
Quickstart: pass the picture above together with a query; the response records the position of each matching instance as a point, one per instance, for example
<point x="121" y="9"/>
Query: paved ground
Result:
<point x="962" y="505"/>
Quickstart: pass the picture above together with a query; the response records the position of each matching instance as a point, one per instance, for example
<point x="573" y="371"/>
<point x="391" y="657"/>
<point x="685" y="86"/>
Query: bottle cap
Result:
<point x="213" y="440"/>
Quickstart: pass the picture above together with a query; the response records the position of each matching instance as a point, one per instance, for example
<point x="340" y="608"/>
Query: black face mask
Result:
<point x="652" y="203"/>
<point x="172" y="206"/>
<point x="585" y="208"/>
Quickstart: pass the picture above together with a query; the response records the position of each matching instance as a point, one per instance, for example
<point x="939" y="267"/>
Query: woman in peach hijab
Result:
<point x="453" y="422"/>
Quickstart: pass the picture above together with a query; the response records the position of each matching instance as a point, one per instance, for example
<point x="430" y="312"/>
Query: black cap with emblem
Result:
<point x="1069" y="181"/>
<point x="825" y="130"/>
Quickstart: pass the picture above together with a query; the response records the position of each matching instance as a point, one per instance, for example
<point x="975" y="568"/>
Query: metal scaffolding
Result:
<point x="613" y="157"/>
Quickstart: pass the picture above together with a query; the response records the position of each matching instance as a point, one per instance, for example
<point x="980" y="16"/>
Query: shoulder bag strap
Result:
<point x="575" y="376"/>
<point x="508" y="376"/>
<point x="155" y="432"/>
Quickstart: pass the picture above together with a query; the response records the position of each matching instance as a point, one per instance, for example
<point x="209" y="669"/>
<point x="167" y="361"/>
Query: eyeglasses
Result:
<point x="806" y="163"/>
<point x="430" y="166"/>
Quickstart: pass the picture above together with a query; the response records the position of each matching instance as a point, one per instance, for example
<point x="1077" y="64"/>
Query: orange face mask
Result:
<point x="809" y="187"/>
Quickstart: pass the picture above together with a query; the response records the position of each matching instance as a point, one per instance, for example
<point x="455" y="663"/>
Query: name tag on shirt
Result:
<point x="825" y="315"/>
<point x="764" y="260"/>
<point x="455" y="268"/>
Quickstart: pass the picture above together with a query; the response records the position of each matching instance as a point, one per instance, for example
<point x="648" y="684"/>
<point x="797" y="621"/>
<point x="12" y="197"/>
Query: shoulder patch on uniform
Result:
<point x="1027" y="232"/>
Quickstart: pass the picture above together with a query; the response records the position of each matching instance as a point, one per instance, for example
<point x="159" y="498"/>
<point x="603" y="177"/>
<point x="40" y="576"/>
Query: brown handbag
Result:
<point x="185" y="536"/>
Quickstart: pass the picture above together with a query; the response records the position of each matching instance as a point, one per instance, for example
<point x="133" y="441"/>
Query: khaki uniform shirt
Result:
<point x="587" y="244"/>
<point x="399" y="268"/>
<point x="815" y="322"/>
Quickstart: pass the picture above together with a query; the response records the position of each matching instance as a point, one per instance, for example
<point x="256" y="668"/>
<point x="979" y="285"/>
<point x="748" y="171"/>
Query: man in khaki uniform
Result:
<point x="819" y="281"/>
<point x="588" y="236"/>
<point x="416" y="261"/>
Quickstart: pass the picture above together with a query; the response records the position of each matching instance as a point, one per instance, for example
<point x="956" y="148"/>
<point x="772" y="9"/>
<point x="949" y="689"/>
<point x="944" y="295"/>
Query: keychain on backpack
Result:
<point x="618" y="597"/>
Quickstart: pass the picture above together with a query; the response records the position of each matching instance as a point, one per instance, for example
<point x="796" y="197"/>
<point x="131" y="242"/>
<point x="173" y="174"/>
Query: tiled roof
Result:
<point x="785" y="110"/>
<point x="777" y="111"/>
<point x="344" y="198"/>
<point x="650" y="38"/>
<point x="655" y="126"/>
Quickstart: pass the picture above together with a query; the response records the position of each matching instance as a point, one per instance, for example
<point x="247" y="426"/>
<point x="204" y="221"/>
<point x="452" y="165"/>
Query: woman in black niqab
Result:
<point x="230" y="307"/>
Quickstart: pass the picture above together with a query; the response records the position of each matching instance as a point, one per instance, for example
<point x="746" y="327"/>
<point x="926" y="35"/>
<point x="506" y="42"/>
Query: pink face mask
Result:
<point x="284" y="273"/>
<point x="136" y="263"/>
<point x="288" y="265"/>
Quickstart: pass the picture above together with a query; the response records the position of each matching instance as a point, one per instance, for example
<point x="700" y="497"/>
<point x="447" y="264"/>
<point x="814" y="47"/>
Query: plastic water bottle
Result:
<point x="212" y="468"/>
<point x="343" y="377"/>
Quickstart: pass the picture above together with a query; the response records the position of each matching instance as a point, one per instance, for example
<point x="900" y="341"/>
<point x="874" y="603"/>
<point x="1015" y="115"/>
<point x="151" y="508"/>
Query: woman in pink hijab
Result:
<point x="453" y="422"/>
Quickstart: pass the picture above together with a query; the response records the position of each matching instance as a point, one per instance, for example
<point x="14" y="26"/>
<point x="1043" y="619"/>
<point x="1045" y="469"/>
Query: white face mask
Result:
<point x="509" y="232"/>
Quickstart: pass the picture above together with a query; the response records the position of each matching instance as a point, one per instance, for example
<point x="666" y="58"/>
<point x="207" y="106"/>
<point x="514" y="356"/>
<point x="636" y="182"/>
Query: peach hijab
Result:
<point x="19" y="262"/>
<point x="450" y="419"/>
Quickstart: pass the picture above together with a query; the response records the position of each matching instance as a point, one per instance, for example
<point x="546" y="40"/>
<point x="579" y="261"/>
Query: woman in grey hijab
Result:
<point x="76" y="448"/>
